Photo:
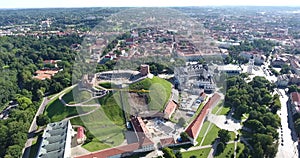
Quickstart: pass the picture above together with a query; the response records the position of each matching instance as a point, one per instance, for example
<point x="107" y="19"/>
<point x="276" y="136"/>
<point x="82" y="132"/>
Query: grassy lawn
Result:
<point x="56" y="111"/>
<point x="107" y="85"/>
<point x="160" y="91"/>
<point x="126" y="104"/>
<point x="95" y="145"/>
<point x="112" y="107"/>
<point x="106" y="132"/>
<point x="202" y="131"/>
<point x="91" y="102"/>
<point x="223" y="111"/>
<point x="212" y="134"/>
<point x="228" y="151"/>
<point x="79" y="95"/>
<point x="232" y="135"/>
<point x="199" y="153"/>
<point x="107" y="124"/>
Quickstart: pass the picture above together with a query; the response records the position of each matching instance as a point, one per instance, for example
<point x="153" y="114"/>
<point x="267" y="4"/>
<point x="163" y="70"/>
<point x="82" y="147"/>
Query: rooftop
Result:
<point x="170" y="108"/>
<point x="54" y="140"/>
<point x="112" y="151"/>
<point x="193" y="129"/>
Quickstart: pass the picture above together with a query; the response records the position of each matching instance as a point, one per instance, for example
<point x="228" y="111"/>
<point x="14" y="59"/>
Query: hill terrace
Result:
<point x="194" y="127"/>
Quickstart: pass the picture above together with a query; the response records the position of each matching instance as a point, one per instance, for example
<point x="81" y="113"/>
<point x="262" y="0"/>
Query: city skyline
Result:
<point x="136" y="3"/>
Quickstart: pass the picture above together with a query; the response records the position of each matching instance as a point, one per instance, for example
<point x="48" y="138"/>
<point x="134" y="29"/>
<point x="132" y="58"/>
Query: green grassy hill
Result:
<point x="160" y="91"/>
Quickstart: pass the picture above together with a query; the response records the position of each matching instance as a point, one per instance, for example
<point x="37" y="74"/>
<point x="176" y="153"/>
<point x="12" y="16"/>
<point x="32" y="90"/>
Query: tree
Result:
<point x="178" y="154"/>
<point x="297" y="125"/>
<point x="42" y="120"/>
<point x="254" y="125"/>
<point x="184" y="136"/>
<point x="285" y="69"/>
<point x="168" y="153"/>
<point x="181" y="122"/>
<point x="220" y="148"/>
<point x="224" y="135"/>
<point x="24" y="102"/>
<point x="13" y="151"/>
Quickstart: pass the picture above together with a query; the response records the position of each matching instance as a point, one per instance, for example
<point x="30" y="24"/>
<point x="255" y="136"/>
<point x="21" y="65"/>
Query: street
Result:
<point x="288" y="139"/>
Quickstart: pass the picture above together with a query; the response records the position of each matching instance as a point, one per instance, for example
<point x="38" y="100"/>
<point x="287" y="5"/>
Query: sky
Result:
<point x="140" y="3"/>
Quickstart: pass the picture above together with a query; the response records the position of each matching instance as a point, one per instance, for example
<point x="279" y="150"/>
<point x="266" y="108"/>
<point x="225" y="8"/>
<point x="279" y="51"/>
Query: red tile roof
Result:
<point x="170" y="108"/>
<point x="141" y="131"/>
<point x="80" y="132"/>
<point x="202" y="94"/>
<point x="167" y="141"/>
<point x="42" y="76"/>
<point x="295" y="97"/>
<point x="193" y="129"/>
<point x="111" y="151"/>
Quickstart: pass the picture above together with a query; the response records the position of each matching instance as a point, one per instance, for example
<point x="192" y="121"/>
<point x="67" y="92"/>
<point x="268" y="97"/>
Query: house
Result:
<point x="194" y="127"/>
<point x="170" y="109"/>
<point x="44" y="74"/>
<point x="80" y="135"/>
<point x="295" y="66"/>
<point x="279" y="61"/>
<point x="283" y="80"/>
<point x="295" y="102"/>
<point x="230" y="69"/>
<point x="294" y="79"/>
<point x="167" y="142"/>
<point x="258" y="57"/>
<point x="202" y="96"/>
<point x="142" y="134"/>
<point x="56" y="140"/>
<point x="129" y="41"/>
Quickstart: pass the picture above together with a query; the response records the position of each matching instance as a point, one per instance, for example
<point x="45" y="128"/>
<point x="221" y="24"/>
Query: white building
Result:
<point x="259" y="58"/>
<point x="230" y="69"/>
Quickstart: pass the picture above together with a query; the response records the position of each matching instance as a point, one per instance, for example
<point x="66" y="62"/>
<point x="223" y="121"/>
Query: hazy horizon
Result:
<point x="18" y="4"/>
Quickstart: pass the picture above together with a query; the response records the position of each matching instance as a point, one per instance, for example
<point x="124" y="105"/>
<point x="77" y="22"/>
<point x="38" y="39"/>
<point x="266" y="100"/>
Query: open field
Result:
<point x="160" y="91"/>
<point x="199" y="153"/>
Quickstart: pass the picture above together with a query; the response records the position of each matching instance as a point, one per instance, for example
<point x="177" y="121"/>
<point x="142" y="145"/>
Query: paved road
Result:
<point x="287" y="134"/>
<point x="33" y="127"/>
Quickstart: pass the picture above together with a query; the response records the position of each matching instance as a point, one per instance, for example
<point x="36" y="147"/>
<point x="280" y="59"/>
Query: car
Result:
<point x="226" y="122"/>
<point x="281" y="144"/>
